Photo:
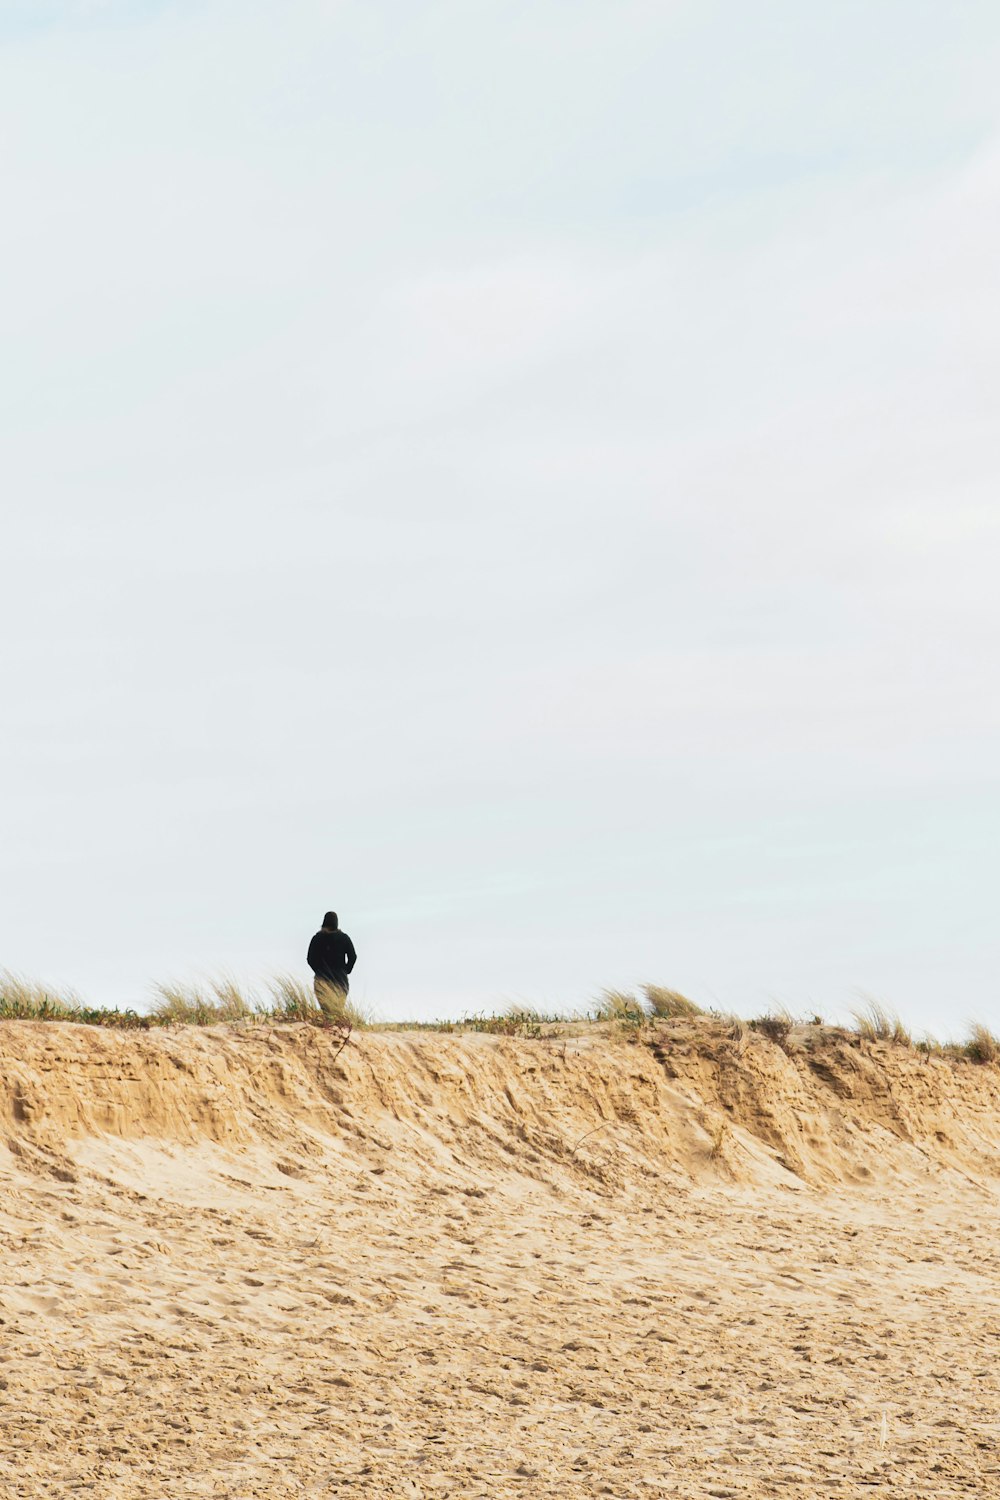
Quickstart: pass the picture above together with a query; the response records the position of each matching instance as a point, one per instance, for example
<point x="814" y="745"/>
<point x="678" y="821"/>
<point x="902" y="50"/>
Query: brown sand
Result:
<point x="467" y="1266"/>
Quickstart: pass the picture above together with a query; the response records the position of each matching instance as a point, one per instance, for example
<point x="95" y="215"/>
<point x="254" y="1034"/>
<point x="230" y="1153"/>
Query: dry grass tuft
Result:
<point x="516" y="1020"/>
<point x="669" y="1004"/>
<point x="183" y="1004"/>
<point x="982" y="1046"/>
<point x="291" y="1000"/>
<point x="24" y="999"/>
<point x="621" y="1006"/>
<point x="287" y="998"/>
<point x="776" y="1026"/>
<point x="721" y="1135"/>
<point x="27" y="1000"/>
<point x="873" y="1022"/>
<point x="222" y="1002"/>
<point x="231" y="1003"/>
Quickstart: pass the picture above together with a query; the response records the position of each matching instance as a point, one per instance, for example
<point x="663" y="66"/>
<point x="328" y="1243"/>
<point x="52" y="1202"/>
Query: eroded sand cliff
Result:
<point x="672" y="1262"/>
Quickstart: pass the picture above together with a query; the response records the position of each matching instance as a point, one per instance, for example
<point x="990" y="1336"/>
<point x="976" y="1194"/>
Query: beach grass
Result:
<point x="669" y="1004"/>
<point x="286" y="998"/>
<point x="981" y="1045"/>
<point x="875" y="1022"/>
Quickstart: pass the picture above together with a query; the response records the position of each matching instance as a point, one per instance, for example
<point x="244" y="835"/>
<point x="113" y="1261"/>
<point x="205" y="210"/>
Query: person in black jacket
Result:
<point x="331" y="957"/>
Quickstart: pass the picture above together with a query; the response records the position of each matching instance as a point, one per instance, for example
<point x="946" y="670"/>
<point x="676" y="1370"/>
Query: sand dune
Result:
<point x="673" y="1262"/>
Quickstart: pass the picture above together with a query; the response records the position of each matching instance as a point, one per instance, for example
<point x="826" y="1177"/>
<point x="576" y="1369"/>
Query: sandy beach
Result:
<point x="235" y="1265"/>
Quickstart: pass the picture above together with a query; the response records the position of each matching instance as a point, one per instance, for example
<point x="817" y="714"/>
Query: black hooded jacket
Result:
<point x="331" y="955"/>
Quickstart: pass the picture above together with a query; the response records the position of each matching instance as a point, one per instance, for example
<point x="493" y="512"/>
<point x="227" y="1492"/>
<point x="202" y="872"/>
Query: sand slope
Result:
<point x="687" y="1264"/>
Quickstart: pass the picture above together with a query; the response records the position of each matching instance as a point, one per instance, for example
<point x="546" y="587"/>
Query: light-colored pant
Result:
<point x="331" y="994"/>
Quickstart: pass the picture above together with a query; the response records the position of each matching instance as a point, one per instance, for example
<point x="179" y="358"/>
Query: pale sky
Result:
<point x="524" y="475"/>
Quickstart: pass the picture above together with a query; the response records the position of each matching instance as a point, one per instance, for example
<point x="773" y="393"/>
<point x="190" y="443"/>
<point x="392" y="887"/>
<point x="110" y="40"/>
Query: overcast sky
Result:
<point x="524" y="475"/>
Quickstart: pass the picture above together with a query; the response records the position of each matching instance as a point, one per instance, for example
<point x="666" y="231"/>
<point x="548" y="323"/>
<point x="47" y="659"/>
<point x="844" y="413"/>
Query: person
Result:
<point x="331" y="957"/>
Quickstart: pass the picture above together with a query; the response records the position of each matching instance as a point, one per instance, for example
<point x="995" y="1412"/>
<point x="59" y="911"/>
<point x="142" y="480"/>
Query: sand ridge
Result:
<point x="681" y="1263"/>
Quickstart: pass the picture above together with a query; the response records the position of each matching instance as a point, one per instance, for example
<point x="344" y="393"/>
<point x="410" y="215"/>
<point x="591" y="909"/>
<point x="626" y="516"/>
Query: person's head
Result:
<point x="330" y="921"/>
